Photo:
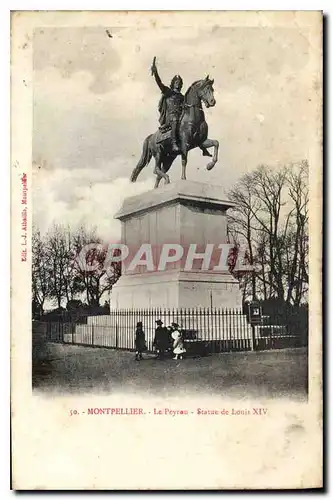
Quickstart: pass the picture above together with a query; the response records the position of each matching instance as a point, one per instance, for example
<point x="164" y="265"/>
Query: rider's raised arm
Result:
<point x="159" y="82"/>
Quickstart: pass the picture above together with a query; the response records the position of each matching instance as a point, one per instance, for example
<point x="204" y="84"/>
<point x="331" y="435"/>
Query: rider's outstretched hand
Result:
<point x="153" y="67"/>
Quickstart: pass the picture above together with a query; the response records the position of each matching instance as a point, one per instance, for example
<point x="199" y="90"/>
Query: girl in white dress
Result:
<point x="178" y="343"/>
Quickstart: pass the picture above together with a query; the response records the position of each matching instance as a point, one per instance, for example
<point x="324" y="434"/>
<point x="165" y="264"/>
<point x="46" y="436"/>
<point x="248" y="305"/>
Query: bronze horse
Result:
<point x="192" y="133"/>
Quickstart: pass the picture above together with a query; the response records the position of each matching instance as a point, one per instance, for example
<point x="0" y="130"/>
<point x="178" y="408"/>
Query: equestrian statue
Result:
<point x="182" y="127"/>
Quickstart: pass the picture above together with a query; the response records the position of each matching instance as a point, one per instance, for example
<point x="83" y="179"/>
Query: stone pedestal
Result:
<point x="184" y="213"/>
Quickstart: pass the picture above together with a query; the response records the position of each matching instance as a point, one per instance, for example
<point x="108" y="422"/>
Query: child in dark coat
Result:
<point x="140" y="341"/>
<point x="161" y="339"/>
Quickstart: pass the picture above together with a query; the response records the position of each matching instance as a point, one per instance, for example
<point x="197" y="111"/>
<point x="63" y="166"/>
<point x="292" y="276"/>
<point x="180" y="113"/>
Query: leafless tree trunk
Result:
<point x="40" y="272"/>
<point x="57" y="258"/>
<point x="242" y="220"/>
<point x="298" y="192"/>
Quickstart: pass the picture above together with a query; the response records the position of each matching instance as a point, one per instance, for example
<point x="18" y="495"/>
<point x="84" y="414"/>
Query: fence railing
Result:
<point x="204" y="330"/>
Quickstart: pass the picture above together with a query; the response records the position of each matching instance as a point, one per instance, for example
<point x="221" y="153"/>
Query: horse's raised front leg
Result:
<point x="211" y="143"/>
<point x="205" y="151"/>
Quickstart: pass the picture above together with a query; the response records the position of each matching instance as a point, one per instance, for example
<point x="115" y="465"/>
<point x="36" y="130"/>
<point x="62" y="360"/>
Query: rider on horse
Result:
<point x="170" y="106"/>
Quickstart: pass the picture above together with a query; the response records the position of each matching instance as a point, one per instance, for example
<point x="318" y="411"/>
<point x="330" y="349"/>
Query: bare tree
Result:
<point x="56" y="273"/>
<point x="298" y="277"/>
<point x="73" y="286"/>
<point x="268" y="188"/>
<point x="242" y="221"/>
<point x="40" y="270"/>
<point x="262" y="261"/>
<point x="57" y="254"/>
<point x="271" y="218"/>
<point x="100" y="280"/>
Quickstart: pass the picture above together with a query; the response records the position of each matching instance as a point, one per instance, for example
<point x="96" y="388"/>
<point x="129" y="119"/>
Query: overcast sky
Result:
<point x="95" y="101"/>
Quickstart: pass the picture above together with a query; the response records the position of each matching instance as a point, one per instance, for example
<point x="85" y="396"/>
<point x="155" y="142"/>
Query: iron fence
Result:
<point x="205" y="330"/>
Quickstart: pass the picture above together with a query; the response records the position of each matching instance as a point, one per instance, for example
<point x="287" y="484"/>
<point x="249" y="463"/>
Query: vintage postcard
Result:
<point x="166" y="173"/>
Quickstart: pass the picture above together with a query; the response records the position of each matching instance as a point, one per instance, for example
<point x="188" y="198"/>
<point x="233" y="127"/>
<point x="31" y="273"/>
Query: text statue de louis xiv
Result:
<point x="182" y="126"/>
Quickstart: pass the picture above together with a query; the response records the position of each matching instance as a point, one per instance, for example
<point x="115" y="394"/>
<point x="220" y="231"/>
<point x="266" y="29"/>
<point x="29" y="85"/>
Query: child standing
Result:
<point x="178" y="343"/>
<point x="140" y="341"/>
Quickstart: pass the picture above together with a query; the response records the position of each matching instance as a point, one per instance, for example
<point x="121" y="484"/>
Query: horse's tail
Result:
<point x="144" y="160"/>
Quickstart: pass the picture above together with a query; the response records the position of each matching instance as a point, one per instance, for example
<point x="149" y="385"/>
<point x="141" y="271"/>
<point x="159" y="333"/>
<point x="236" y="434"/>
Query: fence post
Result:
<point x="253" y="343"/>
<point x="92" y="334"/>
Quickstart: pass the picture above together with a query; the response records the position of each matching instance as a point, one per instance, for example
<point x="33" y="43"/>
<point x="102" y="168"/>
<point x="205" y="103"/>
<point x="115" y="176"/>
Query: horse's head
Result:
<point x="206" y="92"/>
